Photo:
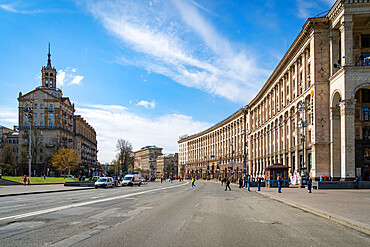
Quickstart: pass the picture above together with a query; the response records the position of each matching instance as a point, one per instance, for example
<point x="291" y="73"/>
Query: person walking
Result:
<point x="227" y="185"/>
<point x="245" y="181"/>
<point x="259" y="183"/>
<point x="357" y="180"/>
<point x="249" y="183"/>
<point x="309" y="184"/>
<point x="280" y="183"/>
<point x="24" y="180"/>
<point x="223" y="181"/>
<point x="193" y="182"/>
<point x="240" y="183"/>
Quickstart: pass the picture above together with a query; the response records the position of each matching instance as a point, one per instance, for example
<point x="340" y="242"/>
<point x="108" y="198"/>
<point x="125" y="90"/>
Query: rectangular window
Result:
<point x="41" y="115"/>
<point x="26" y="124"/>
<point x="366" y="133"/>
<point x="365" y="95"/>
<point x="365" y="41"/>
<point x="51" y="115"/>
<point x="41" y="106"/>
<point x="365" y="114"/>
<point x="35" y="106"/>
<point x="35" y="115"/>
<point x="36" y="124"/>
<point x="41" y="124"/>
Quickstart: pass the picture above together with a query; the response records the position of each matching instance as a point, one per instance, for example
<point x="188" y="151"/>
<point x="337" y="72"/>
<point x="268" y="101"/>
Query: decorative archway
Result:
<point x="335" y="147"/>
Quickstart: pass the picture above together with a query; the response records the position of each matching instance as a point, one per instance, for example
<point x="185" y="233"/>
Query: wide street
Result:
<point x="164" y="215"/>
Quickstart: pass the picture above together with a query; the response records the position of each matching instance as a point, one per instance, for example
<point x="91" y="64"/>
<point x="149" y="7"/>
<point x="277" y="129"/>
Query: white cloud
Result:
<point x="112" y="122"/>
<point x="68" y="77"/>
<point x="8" y="116"/>
<point x="147" y="104"/>
<point x="173" y="39"/>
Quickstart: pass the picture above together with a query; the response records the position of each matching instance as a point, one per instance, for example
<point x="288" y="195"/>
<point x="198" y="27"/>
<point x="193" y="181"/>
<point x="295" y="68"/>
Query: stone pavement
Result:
<point x="348" y="207"/>
<point x="12" y="190"/>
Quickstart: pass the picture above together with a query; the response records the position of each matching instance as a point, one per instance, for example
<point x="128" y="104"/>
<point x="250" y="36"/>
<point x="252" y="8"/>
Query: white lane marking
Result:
<point x="19" y="216"/>
<point x="197" y="205"/>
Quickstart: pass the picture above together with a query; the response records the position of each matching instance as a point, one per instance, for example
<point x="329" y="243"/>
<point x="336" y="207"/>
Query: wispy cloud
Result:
<point x="8" y="116"/>
<point x="112" y="122"/>
<point x="172" y="38"/>
<point x="147" y="104"/>
<point x="68" y="76"/>
<point x="306" y="9"/>
<point x="14" y="8"/>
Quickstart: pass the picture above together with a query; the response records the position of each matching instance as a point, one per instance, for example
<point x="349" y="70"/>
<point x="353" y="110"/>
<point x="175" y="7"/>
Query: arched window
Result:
<point x="47" y="82"/>
<point x="51" y="82"/>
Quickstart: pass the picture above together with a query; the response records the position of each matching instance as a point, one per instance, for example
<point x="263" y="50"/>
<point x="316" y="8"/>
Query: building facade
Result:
<point x="9" y="146"/>
<point x="47" y="118"/>
<point x="312" y="114"/>
<point x="167" y="166"/>
<point x="145" y="160"/>
<point x="218" y="151"/>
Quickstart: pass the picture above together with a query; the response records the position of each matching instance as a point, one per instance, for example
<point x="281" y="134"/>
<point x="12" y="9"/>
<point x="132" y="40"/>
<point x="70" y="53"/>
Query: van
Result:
<point x="131" y="180"/>
<point x="104" y="182"/>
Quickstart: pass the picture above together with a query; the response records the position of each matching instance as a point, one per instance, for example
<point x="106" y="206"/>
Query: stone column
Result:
<point x="347" y="113"/>
<point x="346" y="32"/>
<point x="335" y="144"/>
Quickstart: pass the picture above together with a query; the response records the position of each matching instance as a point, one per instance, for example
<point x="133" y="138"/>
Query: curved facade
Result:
<point x="312" y="114"/>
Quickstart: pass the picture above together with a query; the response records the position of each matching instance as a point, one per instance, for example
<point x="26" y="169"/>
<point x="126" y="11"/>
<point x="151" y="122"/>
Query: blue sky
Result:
<point x="147" y="71"/>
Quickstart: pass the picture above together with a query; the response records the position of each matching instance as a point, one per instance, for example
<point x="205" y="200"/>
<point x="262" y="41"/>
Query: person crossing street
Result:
<point x="228" y="184"/>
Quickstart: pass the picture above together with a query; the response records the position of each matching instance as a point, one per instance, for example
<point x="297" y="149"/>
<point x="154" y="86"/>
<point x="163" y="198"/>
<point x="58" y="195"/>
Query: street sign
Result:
<point x="212" y="156"/>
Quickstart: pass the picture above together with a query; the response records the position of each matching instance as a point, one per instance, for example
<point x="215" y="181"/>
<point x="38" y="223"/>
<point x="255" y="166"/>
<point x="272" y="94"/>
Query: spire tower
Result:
<point x="49" y="60"/>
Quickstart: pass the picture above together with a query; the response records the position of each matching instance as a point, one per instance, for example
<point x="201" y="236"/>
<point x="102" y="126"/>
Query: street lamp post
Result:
<point x="29" y="112"/>
<point x="303" y="123"/>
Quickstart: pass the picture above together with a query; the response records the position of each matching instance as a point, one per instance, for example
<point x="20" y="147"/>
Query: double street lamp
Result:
<point x="303" y="106"/>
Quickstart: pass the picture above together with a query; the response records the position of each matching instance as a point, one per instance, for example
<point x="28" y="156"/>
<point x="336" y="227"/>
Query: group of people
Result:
<point x="243" y="182"/>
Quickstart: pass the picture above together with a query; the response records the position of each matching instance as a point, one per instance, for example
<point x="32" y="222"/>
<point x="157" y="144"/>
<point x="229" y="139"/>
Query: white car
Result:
<point x="104" y="182"/>
<point x="131" y="180"/>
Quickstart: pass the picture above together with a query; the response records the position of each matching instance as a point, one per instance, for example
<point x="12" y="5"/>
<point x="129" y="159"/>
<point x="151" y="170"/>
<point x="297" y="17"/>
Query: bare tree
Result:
<point x="125" y="156"/>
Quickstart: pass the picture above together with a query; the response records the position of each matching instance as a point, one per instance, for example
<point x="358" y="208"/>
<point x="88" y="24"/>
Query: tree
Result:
<point x="65" y="160"/>
<point x="125" y="156"/>
<point x="7" y="159"/>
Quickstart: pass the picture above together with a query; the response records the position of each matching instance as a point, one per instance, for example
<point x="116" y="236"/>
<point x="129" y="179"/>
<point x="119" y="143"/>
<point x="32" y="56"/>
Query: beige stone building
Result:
<point x="312" y="114"/>
<point x="145" y="160"/>
<point x="9" y="145"/>
<point x="218" y="151"/>
<point x="167" y="166"/>
<point x="50" y="119"/>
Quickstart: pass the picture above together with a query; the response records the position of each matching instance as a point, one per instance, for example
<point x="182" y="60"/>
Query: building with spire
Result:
<point x="49" y="118"/>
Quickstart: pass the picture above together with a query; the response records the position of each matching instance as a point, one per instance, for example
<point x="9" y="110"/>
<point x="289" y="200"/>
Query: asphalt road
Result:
<point x="164" y="215"/>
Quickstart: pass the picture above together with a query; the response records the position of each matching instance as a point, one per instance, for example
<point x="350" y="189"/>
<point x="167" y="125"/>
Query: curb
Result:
<point x="43" y="192"/>
<point x="323" y="215"/>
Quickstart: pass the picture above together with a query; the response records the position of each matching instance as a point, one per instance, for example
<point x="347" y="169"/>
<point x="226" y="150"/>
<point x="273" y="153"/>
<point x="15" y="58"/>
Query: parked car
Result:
<point x="68" y="176"/>
<point x="131" y="180"/>
<point x="104" y="182"/>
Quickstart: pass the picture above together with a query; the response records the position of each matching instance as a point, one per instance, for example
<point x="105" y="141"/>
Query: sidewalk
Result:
<point x="13" y="190"/>
<point x="347" y="207"/>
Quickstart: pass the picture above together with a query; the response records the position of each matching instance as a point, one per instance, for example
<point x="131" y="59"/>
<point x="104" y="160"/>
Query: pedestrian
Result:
<point x="245" y="181"/>
<point x="24" y="180"/>
<point x="193" y="182"/>
<point x="240" y="183"/>
<point x="357" y="180"/>
<point x="227" y="185"/>
<point x="259" y="183"/>
<point x="280" y="183"/>
<point x="249" y="183"/>
<point x="223" y="181"/>
<point x="28" y="181"/>
<point x="309" y="184"/>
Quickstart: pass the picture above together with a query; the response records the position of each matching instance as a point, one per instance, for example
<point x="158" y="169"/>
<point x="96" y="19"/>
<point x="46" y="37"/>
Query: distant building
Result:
<point x="50" y="118"/>
<point x="9" y="145"/>
<point x="145" y="160"/>
<point x="167" y="165"/>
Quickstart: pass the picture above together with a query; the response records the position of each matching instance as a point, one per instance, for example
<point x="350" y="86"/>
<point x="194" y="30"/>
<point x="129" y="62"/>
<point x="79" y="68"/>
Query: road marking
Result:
<point x="197" y="205"/>
<point x="19" y="216"/>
